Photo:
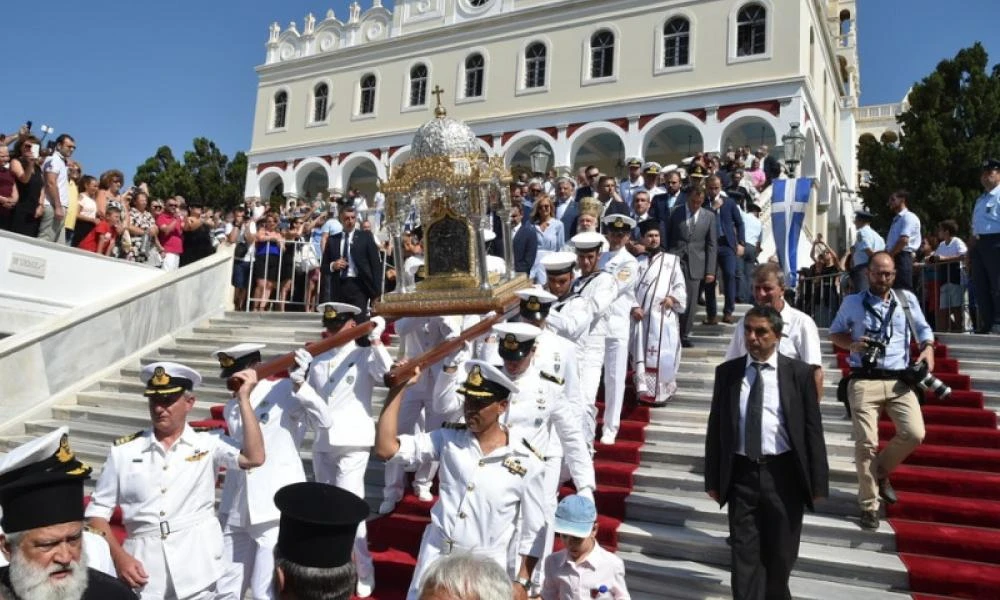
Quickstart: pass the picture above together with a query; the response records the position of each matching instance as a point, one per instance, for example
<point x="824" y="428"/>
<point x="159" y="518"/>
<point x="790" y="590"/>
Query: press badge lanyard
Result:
<point x="885" y="323"/>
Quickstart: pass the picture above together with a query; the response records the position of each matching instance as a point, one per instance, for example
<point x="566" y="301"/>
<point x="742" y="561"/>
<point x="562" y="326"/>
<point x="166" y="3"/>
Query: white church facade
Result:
<point x="595" y="81"/>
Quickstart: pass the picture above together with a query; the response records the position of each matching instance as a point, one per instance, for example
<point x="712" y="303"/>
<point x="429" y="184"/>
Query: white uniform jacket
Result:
<point x="543" y="414"/>
<point x="420" y="334"/>
<point x="557" y="355"/>
<point x="248" y="495"/>
<point x="481" y="495"/>
<point x="167" y="497"/>
<point x="344" y="379"/>
<point x="625" y="270"/>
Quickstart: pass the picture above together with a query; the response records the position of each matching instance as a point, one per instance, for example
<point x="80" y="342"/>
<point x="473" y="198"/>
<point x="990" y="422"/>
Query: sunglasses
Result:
<point x="156" y="207"/>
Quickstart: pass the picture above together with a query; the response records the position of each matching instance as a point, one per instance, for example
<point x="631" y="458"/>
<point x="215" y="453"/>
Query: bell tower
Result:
<point x="842" y="20"/>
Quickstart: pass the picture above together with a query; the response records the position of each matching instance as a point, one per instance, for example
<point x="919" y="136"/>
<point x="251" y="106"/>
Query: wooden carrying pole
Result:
<point x="401" y="373"/>
<point x="287" y="361"/>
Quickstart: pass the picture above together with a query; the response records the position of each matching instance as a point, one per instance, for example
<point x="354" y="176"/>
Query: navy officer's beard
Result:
<point x="32" y="582"/>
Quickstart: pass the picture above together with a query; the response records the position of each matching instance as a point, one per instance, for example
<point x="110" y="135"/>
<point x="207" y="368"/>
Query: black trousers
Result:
<point x="985" y="255"/>
<point x="765" y="522"/>
<point x="349" y="291"/>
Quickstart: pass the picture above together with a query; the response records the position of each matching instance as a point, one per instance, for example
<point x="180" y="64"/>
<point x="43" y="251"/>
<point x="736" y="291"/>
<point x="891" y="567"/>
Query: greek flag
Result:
<point x="789" y="199"/>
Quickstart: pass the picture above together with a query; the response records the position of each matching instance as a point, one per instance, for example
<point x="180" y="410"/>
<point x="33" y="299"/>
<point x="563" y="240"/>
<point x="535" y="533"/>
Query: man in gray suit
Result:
<point x="693" y="236"/>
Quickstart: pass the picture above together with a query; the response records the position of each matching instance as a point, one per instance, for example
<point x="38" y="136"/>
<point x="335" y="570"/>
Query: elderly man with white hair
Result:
<point x="465" y="576"/>
<point x="41" y="492"/>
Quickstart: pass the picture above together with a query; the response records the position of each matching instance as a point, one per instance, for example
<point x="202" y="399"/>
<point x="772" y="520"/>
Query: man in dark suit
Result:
<point x="524" y="240"/>
<point x="732" y="244"/>
<point x="765" y="457"/>
<point x="351" y="267"/>
<point x="611" y="202"/>
<point x="691" y="235"/>
<point x="664" y="204"/>
<point x="592" y="174"/>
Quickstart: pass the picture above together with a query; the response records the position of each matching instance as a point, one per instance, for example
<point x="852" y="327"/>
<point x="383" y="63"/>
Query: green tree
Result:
<point x="952" y="124"/>
<point x="205" y="176"/>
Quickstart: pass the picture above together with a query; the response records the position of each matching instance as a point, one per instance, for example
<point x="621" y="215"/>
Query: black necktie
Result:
<point x="754" y="416"/>
<point x="347" y="253"/>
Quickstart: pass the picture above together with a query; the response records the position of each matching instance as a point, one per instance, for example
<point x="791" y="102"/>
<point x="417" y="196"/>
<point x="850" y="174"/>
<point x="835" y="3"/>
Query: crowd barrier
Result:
<point x="941" y="287"/>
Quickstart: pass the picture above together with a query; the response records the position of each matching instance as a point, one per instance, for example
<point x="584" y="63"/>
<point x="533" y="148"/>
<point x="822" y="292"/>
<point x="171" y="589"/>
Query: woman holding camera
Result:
<point x="30" y="205"/>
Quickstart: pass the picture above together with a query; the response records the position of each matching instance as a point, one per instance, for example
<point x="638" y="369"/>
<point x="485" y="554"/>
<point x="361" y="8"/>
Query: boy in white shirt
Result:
<point x="582" y="569"/>
<point x="951" y="310"/>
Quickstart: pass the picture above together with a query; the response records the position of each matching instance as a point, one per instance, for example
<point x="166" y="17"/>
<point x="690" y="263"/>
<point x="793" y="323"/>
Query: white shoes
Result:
<point x="424" y="495"/>
<point x="388" y="505"/>
<point x="608" y="440"/>
<point x="365" y="586"/>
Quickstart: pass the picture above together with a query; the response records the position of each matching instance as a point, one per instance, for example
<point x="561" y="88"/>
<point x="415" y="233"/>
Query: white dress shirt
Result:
<point x="799" y="338"/>
<point x="568" y="580"/>
<point x="774" y="433"/>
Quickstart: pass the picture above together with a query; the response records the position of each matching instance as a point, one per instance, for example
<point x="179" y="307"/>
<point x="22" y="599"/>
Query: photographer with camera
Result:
<point x="875" y="326"/>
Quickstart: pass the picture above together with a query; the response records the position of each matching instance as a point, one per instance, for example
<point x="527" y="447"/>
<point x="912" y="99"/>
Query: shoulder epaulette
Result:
<point x="458" y="426"/>
<point x="552" y="378"/>
<point x="128" y="438"/>
<point x="94" y="531"/>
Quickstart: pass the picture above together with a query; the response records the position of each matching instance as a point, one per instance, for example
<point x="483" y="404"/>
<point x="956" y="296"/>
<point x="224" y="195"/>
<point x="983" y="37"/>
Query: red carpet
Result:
<point x="395" y="539"/>
<point x="947" y="520"/>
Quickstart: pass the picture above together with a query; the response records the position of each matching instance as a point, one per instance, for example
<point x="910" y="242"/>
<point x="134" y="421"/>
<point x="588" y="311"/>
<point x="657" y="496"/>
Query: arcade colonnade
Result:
<point x="665" y="138"/>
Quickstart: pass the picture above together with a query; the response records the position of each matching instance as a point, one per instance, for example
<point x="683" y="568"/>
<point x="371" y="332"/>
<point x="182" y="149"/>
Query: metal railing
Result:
<point x="290" y="280"/>
<point x="819" y="296"/>
<point x="943" y="289"/>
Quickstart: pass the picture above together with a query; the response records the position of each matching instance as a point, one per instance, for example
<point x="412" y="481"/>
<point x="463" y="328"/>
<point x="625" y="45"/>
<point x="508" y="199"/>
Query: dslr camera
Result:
<point x="919" y="376"/>
<point x="874" y="349"/>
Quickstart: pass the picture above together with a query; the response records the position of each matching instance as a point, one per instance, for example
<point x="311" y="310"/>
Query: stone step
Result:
<point x="838" y="444"/>
<point x="697" y="509"/>
<point x="693" y="580"/>
<point x="849" y="565"/>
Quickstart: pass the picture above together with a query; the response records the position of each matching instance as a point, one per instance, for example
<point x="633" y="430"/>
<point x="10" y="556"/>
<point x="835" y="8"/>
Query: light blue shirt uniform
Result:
<point x="906" y="223"/>
<point x="752" y="228"/>
<point x="986" y="213"/>
<point x="862" y="315"/>
<point x="867" y="239"/>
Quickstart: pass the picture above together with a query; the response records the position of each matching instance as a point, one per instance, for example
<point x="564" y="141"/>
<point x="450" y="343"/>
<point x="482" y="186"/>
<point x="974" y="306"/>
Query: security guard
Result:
<point x="620" y="263"/>
<point x="867" y="242"/>
<point x="247" y="512"/>
<point x="163" y="478"/>
<point x="597" y="290"/>
<point x="904" y="238"/>
<point x="984" y="249"/>
<point x="490" y="476"/>
<point x="343" y="379"/>
<point x="878" y="316"/>
<point x="549" y="420"/>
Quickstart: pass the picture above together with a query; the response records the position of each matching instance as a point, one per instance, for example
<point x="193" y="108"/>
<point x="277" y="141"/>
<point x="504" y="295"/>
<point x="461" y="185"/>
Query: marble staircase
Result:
<point x="674" y="538"/>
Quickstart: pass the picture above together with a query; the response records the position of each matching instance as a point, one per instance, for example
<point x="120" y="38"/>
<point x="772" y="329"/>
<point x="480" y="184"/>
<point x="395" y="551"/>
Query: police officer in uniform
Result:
<point x="879" y="315"/>
<point x="343" y="380"/>
<point x="247" y="512"/>
<point x="620" y="263"/>
<point x="597" y="291"/>
<point x="41" y="493"/>
<point x="490" y="476"/>
<point x="867" y="242"/>
<point x="984" y="249"/>
<point x="163" y="478"/>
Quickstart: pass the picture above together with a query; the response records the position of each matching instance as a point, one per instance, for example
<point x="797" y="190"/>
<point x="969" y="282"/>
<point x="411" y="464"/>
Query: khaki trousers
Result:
<point x="868" y="397"/>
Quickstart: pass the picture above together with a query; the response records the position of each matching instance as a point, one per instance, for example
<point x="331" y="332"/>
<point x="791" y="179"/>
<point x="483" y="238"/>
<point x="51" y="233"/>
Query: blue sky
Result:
<point x="127" y="76"/>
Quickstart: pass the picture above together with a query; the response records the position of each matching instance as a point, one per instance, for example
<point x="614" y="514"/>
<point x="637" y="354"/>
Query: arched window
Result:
<point x="676" y="42"/>
<point x="367" y="105"/>
<point x="475" y="72"/>
<point x="418" y="85"/>
<point x="751" y="30"/>
<point x="321" y="100"/>
<point x="602" y="54"/>
<point x="280" y="109"/>
<point x="534" y="65"/>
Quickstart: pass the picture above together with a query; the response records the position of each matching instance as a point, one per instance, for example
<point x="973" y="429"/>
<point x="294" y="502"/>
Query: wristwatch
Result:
<point x="523" y="582"/>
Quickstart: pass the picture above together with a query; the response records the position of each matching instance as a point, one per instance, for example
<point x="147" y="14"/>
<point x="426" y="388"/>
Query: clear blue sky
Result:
<point x="127" y="76"/>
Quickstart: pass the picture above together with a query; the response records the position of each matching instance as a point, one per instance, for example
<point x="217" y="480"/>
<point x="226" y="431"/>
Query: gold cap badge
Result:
<point x="475" y="377"/>
<point x="160" y="377"/>
<point x="510" y="342"/>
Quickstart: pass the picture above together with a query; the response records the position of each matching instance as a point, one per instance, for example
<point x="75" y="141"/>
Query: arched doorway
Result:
<point x="313" y="182"/>
<point x="517" y="155"/>
<point x="752" y="131"/>
<point x="671" y="142"/>
<point x="272" y="189"/>
<point x="601" y="146"/>
<point x="364" y="178"/>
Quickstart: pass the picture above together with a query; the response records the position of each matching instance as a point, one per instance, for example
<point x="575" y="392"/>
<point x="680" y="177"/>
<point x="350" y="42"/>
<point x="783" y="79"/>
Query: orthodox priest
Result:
<point x="661" y="297"/>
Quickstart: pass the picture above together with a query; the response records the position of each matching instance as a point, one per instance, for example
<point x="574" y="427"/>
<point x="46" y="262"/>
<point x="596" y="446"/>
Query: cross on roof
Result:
<point x="439" y="110"/>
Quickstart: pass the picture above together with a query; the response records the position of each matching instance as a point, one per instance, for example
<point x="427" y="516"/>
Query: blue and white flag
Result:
<point x="789" y="199"/>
